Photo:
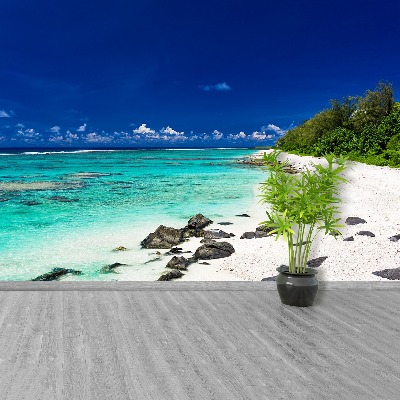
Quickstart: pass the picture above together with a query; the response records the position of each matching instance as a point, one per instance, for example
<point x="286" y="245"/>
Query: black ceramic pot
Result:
<point x="297" y="289"/>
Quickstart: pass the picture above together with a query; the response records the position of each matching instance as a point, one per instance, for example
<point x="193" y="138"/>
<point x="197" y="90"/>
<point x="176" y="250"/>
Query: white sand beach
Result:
<point x="373" y="193"/>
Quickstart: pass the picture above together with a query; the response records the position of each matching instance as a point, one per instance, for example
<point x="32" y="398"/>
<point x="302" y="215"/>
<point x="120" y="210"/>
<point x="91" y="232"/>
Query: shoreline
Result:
<point x="371" y="194"/>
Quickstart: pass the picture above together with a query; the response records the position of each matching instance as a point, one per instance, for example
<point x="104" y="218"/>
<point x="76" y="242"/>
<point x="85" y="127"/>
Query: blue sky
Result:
<point x="184" y="73"/>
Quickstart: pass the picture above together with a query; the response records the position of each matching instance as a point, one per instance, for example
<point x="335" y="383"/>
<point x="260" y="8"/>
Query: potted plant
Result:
<point x="300" y="206"/>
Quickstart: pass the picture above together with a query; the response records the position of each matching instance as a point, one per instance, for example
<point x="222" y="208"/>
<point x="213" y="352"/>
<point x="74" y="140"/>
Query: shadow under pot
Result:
<point x="297" y="289"/>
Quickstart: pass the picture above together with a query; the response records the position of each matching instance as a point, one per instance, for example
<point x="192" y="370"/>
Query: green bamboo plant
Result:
<point x="302" y="204"/>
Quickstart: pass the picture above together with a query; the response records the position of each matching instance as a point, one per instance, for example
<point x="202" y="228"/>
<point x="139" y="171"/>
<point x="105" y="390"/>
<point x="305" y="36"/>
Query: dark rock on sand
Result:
<point x="261" y="234"/>
<point x="176" y="262"/>
<point x="213" y="249"/>
<point x="261" y="231"/>
<point x="204" y="263"/>
<point x="188" y="233"/>
<point x="269" y="278"/>
<point x="120" y="248"/>
<point x="110" y="268"/>
<point x="195" y="226"/>
<point x="355" y="221"/>
<point x="217" y="234"/>
<point x="164" y="237"/>
<point x="248" y="235"/>
<point x="243" y="215"/>
<point x="392" y="274"/>
<point x="197" y="222"/>
<point x="56" y="273"/>
<point x="207" y="241"/>
<point x="366" y="233"/>
<point x="394" y="238"/>
<point x="175" y="250"/>
<point x="225" y="223"/>
<point x="169" y="276"/>
<point x="30" y="203"/>
<point x="316" y="262"/>
<point x="263" y="228"/>
<point x="349" y="239"/>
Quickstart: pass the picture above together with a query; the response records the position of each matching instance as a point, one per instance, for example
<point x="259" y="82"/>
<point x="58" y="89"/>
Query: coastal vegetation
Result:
<point x="363" y="128"/>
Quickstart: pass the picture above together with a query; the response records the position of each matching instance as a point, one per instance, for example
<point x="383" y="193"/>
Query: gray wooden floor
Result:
<point x="182" y="340"/>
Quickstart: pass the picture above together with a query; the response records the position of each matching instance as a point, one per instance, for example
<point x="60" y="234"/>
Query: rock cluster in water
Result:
<point x="111" y="268"/>
<point x="167" y="238"/>
<point x="260" y="162"/>
<point x="56" y="273"/>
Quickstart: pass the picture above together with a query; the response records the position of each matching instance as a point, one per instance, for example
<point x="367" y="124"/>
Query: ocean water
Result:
<point x="70" y="209"/>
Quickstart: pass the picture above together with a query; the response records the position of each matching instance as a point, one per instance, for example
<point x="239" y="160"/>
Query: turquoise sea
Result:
<point x="69" y="209"/>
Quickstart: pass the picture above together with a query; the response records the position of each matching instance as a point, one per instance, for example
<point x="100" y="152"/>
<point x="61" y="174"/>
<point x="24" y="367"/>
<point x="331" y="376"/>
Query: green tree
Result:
<point x="342" y="111"/>
<point x="373" y="107"/>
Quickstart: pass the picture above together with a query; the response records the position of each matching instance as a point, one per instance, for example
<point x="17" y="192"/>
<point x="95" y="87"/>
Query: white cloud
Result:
<point x="68" y="138"/>
<point x="143" y="129"/>
<point x="122" y="135"/>
<point x="82" y="128"/>
<point x="176" y="138"/>
<point x="236" y="136"/>
<point x="217" y="135"/>
<point x="155" y="136"/>
<point x="5" y="114"/>
<point x="55" y="129"/>
<point x="258" y="135"/>
<point x="169" y="131"/>
<point x="221" y="87"/>
<point x="273" y="128"/>
<point x="29" y="133"/>
<point x="56" y="139"/>
<point x="20" y="126"/>
<point x="94" y="137"/>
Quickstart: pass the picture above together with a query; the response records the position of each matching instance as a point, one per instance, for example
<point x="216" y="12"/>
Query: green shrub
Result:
<point x="393" y="158"/>
<point x="338" y="141"/>
<point x="394" y="143"/>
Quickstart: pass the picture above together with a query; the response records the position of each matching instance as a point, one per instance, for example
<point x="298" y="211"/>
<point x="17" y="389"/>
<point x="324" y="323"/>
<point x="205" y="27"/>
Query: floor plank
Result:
<point x="233" y="340"/>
